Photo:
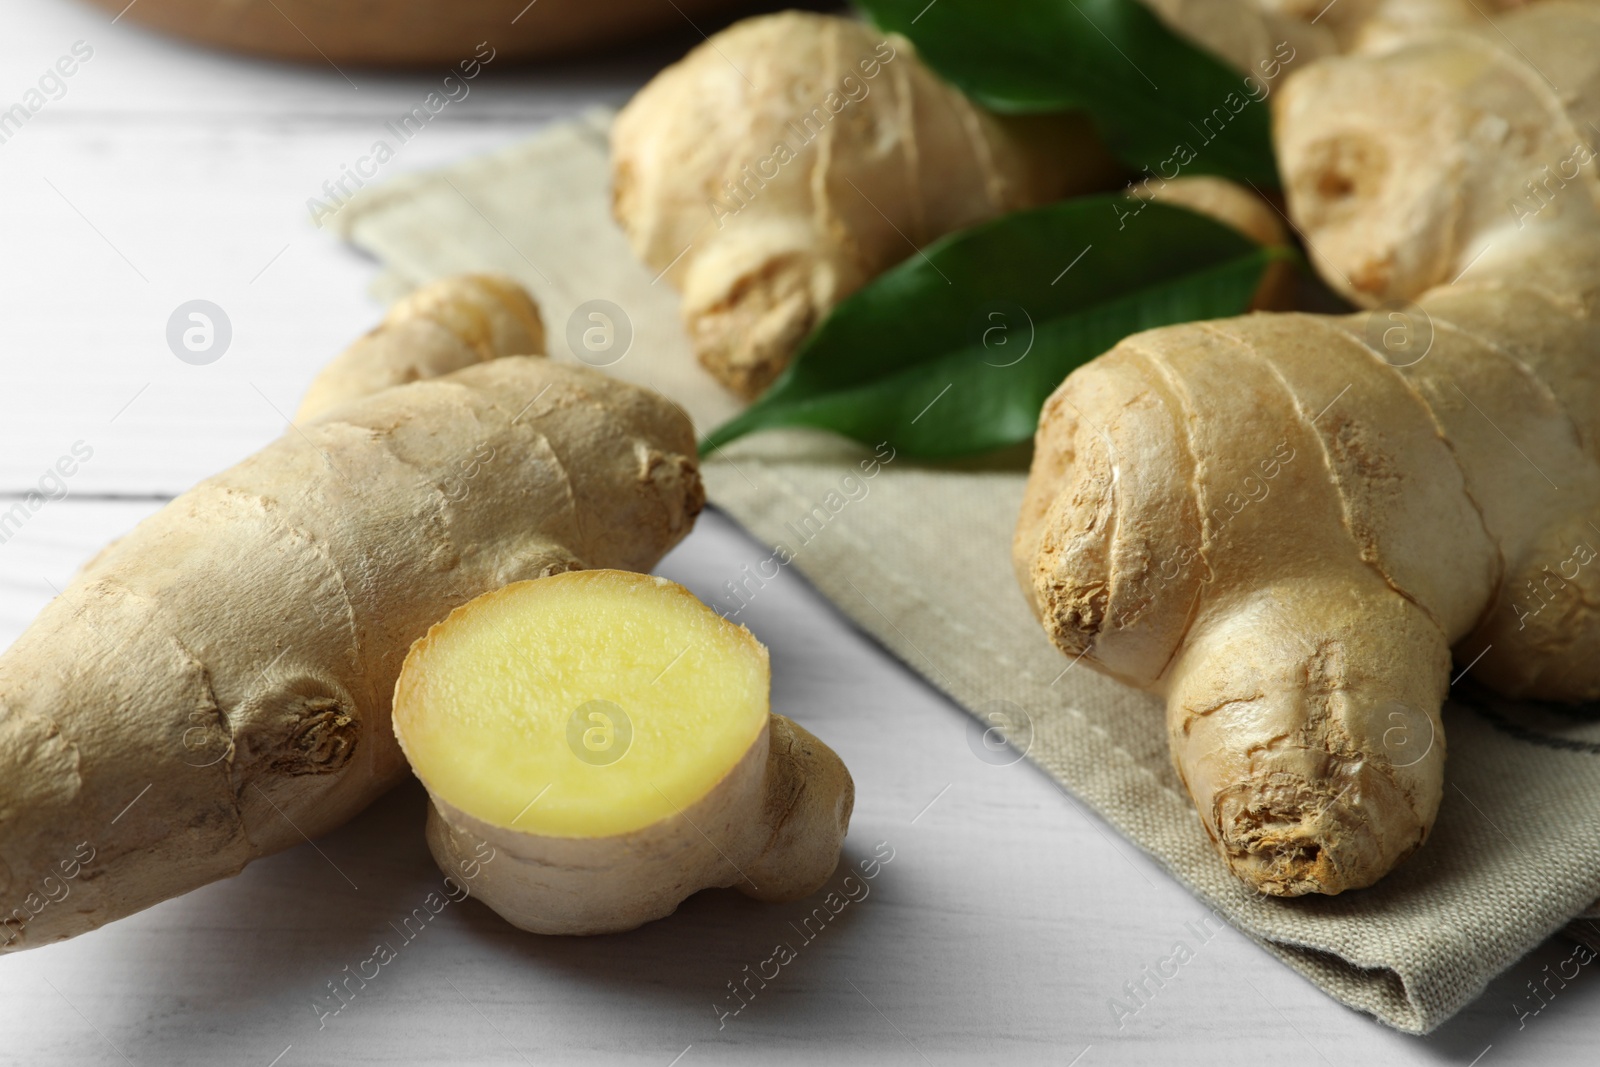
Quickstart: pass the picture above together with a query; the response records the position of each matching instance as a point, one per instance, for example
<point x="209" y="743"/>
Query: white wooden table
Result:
<point x="1009" y="917"/>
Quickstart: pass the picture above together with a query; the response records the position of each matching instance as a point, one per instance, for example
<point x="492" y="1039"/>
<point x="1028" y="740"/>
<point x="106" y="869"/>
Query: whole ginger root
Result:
<point x="1286" y="524"/>
<point x="792" y="158"/>
<point x="216" y="686"/>
<point x="1446" y="144"/>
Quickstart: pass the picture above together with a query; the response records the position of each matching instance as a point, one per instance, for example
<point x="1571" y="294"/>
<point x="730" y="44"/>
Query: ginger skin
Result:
<point x="1394" y="201"/>
<point x="1286" y="524"/>
<point x="794" y="157"/>
<point x="433" y="331"/>
<point x="217" y="683"/>
<point x="788" y="805"/>
<point x="1232" y="205"/>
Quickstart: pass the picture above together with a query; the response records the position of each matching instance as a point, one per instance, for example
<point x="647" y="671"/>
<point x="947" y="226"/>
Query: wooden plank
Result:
<point x="123" y="226"/>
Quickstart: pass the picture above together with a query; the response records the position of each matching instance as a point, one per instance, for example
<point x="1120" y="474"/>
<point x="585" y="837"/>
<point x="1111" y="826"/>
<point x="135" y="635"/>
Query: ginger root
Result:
<point x="216" y="686"/>
<point x="1232" y="205"/>
<point x="1285" y="524"/>
<point x="440" y="328"/>
<point x="1253" y="36"/>
<point x="608" y="737"/>
<point x="792" y="158"/>
<point x="1445" y="144"/>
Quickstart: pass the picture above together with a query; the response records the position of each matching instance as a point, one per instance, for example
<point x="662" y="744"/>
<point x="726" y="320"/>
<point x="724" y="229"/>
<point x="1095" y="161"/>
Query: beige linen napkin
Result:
<point x="919" y="557"/>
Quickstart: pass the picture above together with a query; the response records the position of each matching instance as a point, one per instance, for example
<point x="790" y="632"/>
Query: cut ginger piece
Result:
<point x="606" y="739"/>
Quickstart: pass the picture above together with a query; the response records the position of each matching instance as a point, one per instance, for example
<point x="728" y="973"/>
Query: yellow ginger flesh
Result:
<point x="586" y="704"/>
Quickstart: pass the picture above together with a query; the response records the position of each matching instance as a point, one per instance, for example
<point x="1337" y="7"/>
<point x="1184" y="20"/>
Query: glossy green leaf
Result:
<point x="1163" y="105"/>
<point x="955" y="351"/>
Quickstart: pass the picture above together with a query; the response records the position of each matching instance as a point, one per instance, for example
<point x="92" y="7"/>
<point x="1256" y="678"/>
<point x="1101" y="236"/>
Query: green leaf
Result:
<point x="954" y="351"/>
<point x="1163" y="105"/>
